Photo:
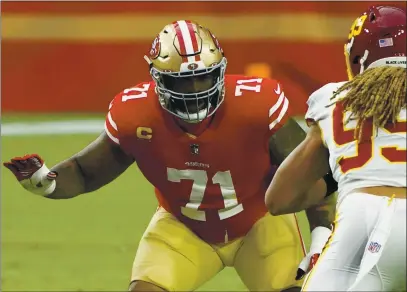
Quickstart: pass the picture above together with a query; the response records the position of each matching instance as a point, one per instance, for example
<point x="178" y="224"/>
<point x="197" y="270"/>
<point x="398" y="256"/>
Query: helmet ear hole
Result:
<point x="372" y="17"/>
<point x="356" y="60"/>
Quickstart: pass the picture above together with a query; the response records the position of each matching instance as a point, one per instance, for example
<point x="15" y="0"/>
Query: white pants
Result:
<point x="370" y="236"/>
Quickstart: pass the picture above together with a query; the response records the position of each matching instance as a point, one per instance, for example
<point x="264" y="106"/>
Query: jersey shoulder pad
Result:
<point x="138" y="93"/>
<point x="263" y="99"/>
<point x="319" y="100"/>
<point x="126" y="107"/>
<point x="259" y="89"/>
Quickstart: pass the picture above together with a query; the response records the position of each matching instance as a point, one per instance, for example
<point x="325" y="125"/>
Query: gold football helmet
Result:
<point x="188" y="67"/>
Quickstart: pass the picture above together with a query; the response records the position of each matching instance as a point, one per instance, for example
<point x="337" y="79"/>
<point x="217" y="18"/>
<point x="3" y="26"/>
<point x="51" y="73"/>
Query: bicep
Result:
<point x="95" y="166"/>
<point x="101" y="162"/>
<point x="297" y="176"/>
<point x="309" y="161"/>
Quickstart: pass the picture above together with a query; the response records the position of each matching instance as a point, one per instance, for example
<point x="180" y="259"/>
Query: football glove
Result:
<point x="319" y="237"/>
<point x="32" y="173"/>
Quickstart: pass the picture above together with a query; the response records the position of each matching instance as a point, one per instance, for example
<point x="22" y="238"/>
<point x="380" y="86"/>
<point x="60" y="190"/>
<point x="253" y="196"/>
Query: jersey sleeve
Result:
<point x="125" y="110"/>
<point x="318" y="102"/>
<point x="278" y="105"/>
<point x="111" y="127"/>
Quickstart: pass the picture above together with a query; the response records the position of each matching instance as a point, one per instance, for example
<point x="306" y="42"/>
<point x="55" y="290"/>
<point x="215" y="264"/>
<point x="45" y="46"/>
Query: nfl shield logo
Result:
<point x="374" y="247"/>
<point x="194" y="149"/>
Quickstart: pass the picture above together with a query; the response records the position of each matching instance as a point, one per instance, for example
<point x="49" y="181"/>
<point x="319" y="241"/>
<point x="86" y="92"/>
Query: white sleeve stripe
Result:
<point x="277" y="105"/>
<point x="281" y="114"/>
<point x="112" y="123"/>
<point x="114" y="139"/>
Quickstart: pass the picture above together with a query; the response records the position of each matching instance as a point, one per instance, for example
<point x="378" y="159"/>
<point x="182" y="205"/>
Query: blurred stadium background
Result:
<point x="62" y="63"/>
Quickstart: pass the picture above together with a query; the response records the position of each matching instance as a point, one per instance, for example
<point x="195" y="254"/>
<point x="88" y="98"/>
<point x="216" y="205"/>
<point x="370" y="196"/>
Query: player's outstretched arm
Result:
<point x="95" y="166"/>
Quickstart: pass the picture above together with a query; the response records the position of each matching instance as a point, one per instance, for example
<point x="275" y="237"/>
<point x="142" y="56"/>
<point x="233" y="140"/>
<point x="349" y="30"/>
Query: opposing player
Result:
<point x="358" y="130"/>
<point x="200" y="137"/>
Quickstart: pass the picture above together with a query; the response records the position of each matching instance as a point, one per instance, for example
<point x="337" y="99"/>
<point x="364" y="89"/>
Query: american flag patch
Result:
<point x="388" y="42"/>
<point x="374" y="247"/>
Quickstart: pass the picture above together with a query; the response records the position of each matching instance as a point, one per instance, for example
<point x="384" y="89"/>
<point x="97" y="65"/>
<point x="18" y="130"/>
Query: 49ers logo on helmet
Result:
<point x="155" y="48"/>
<point x="192" y="66"/>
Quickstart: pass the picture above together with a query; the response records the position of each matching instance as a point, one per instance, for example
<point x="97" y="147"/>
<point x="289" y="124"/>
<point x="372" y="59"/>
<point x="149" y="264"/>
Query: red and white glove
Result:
<point x="319" y="237"/>
<point x="32" y="173"/>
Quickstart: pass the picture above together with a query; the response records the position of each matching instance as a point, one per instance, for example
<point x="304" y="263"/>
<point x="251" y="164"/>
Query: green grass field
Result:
<point x="84" y="244"/>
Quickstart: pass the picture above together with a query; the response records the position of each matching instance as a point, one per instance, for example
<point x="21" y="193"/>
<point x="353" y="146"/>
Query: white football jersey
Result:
<point x="380" y="161"/>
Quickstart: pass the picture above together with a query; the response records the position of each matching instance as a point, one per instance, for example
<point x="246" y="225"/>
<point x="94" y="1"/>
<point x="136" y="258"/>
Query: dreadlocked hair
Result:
<point x="378" y="94"/>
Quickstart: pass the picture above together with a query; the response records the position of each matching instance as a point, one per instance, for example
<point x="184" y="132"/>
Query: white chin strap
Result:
<point x="362" y="61"/>
<point x="195" y="117"/>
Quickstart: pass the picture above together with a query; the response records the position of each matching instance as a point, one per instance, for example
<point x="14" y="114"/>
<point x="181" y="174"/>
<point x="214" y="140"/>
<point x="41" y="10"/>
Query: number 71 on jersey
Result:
<point x="200" y="181"/>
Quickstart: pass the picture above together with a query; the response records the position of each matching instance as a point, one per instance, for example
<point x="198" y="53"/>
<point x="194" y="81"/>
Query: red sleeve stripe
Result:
<point x="193" y="39"/>
<point x="187" y="40"/>
<point x="181" y="42"/>
<point x="304" y="250"/>
<point x="282" y="110"/>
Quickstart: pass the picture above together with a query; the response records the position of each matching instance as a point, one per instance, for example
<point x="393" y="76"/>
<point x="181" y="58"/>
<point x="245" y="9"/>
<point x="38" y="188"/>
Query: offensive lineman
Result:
<point x="358" y="129"/>
<point x="203" y="144"/>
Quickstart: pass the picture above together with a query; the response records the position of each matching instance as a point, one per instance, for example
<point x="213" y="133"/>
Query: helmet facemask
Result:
<point x="188" y="104"/>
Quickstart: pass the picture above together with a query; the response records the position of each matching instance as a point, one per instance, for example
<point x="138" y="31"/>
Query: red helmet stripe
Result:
<point x="193" y="39"/>
<point x="184" y="33"/>
<point x="181" y="41"/>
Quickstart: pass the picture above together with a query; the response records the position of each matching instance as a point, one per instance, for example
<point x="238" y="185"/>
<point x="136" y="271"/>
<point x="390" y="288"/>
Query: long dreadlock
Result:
<point x="378" y="94"/>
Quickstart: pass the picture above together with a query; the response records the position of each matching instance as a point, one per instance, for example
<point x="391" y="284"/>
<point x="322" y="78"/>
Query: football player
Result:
<point x="358" y="131"/>
<point x="202" y="139"/>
